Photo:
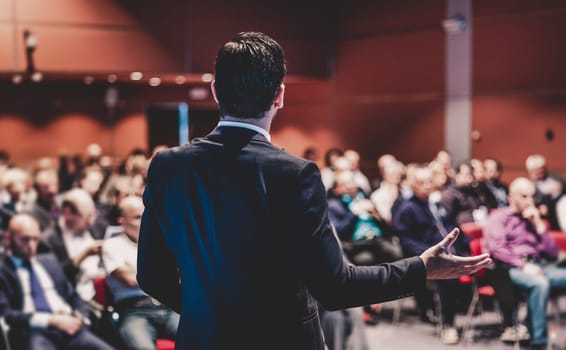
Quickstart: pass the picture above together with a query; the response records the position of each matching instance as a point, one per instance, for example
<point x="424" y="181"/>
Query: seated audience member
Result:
<point x="45" y="208"/>
<point x="91" y="180"/>
<point x="445" y="158"/>
<point x="549" y="188"/>
<point x="366" y="237"/>
<point x="327" y="173"/>
<point x="439" y="182"/>
<point x="142" y="319"/>
<point x="15" y="185"/>
<point x="389" y="189"/>
<point x="73" y="243"/>
<point x="561" y="213"/>
<point x="463" y="199"/>
<point x="38" y="303"/>
<point x="493" y="169"/>
<point x="69" y="169"/>
<point x="418" y="225"/>
<point x="361" y="180"/>
<point x="118" y="188"/>
<point x="310" y="153"/>
<point x="517" y="237"/>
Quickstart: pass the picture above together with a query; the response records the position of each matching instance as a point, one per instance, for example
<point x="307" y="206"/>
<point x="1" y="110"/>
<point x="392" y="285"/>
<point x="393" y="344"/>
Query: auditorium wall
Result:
<point x="363" y="74"/>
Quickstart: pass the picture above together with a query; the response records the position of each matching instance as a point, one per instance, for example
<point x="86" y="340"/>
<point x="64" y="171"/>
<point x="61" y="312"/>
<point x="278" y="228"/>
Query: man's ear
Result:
<point x="279" y="97"/>
<point x="213" y="90"/>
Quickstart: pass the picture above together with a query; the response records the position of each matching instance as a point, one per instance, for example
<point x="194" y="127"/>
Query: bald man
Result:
<point x="37" y="301"/>
<point x="517" y="238"/>
<point x="142" y="319"/>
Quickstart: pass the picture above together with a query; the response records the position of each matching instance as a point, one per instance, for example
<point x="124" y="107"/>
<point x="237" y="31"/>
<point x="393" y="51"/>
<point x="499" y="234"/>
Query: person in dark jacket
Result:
<point x="235" y="234"/>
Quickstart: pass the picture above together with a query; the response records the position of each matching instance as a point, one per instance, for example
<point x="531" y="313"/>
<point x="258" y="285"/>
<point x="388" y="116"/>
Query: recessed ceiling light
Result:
<point x="37" y="77"/>
<point x="136" y="76"/>
<point x="17" y="79"/>
<point x="180" y="79"/>
<point x="154" y="81"/>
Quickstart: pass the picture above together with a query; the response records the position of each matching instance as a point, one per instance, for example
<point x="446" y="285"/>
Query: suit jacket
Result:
<point x="235" y="237"/>
<point x="52" y="242"/>
<point x="11" y="293"/>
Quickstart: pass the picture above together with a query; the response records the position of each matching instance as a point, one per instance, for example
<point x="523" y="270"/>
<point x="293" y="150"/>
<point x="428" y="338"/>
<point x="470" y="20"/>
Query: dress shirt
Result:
<point x="90" y="267"/>
<point x="512" y="239"/>
<point x="120" y="251"/>
<point x="246" y="126"/>
<point x="56" y="303"/>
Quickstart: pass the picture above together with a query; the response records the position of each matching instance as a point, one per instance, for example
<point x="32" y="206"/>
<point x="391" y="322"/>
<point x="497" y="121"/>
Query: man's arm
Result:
<point x="337" y="284"/>
<point x="126" y="274"/>
<point x="157" y="268"/>
<point x="115" y="264"/>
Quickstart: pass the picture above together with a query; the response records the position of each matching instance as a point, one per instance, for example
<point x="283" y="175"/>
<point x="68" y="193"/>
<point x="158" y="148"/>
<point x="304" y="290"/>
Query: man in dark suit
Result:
<point x="37" y="301"/>
<point x="235" y="235"/>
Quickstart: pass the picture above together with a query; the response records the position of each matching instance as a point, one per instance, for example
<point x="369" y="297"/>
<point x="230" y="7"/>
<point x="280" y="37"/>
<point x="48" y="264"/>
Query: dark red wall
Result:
<point x="520" y="81"/>
<point x="390" y="79"/>
<point x="375" y="72"/>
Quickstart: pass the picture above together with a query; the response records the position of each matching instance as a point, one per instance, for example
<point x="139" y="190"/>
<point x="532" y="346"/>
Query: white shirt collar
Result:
<point x="246" y="126"/>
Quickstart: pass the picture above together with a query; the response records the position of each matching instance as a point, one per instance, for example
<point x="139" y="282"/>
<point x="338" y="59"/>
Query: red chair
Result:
<point x="101" y="297"/>
<point x="560" y="238"/>
<point x="472" y="230"/>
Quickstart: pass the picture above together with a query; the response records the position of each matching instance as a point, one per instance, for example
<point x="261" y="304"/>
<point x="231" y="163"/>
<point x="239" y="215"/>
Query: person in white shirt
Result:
<point x="142" y="319"/>
<point x="361" y="180"/>
<point x="73" y="243"/>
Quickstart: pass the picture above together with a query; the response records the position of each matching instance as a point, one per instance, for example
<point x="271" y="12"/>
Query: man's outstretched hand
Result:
<point x="441" y="264"/>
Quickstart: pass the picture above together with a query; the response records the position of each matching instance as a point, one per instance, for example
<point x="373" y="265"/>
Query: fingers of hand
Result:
<point x="472" y="268"/>
<point x="450" y="238"/>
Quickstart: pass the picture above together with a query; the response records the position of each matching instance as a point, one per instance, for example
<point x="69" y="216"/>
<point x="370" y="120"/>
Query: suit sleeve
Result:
<point x="335" y="283"/>
<point x="157" y="268"/>
<point x="14" y="317"/>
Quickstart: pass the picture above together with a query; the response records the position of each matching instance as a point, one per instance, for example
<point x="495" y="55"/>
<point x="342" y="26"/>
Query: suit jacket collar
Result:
<point x="235" y="135"/>
<point x="244" y="125"/>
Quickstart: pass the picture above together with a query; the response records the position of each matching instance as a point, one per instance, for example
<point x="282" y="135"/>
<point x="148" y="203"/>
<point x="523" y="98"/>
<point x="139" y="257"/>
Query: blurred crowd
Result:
<point x="84" y="211"/>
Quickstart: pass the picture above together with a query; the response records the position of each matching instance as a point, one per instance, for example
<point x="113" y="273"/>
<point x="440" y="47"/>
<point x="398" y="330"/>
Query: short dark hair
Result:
<point x="248" y="73"/>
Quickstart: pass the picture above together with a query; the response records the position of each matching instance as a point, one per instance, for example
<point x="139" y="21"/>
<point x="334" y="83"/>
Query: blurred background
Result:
<point x="482" y="79"/>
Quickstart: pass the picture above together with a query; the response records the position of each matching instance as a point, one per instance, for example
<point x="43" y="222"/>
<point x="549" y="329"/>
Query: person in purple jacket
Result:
<point x="518" y="237"/>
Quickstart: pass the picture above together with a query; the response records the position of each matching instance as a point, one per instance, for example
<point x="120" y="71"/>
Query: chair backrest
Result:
<point x="476" y="249"/>
<point x="560" y="238"/>
<point x="100" y="290"/>
<point x="475" y="246"/>
<point x="472" y="230"/>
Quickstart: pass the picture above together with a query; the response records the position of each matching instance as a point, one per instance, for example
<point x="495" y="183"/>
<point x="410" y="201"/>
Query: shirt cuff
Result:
<point x="39" y="320"/>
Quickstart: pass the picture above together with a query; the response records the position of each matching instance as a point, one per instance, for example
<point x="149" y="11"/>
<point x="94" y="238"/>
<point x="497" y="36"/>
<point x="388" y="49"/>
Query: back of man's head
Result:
<point x="249" y="72"/>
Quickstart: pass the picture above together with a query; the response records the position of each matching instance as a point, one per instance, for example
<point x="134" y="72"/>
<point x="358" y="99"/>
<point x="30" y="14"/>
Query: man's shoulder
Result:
<point x="118" y="243"/>
<point x="49" y="261"/>
<point x="408" y="204"/>
<point x="263" y="152"/>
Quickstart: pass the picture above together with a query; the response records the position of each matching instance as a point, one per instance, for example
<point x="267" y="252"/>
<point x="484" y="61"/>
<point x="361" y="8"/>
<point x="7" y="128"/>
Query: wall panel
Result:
<point x="91" y="49"/>
<point x="513" y="127"/>
<point x="73" y="12"/>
